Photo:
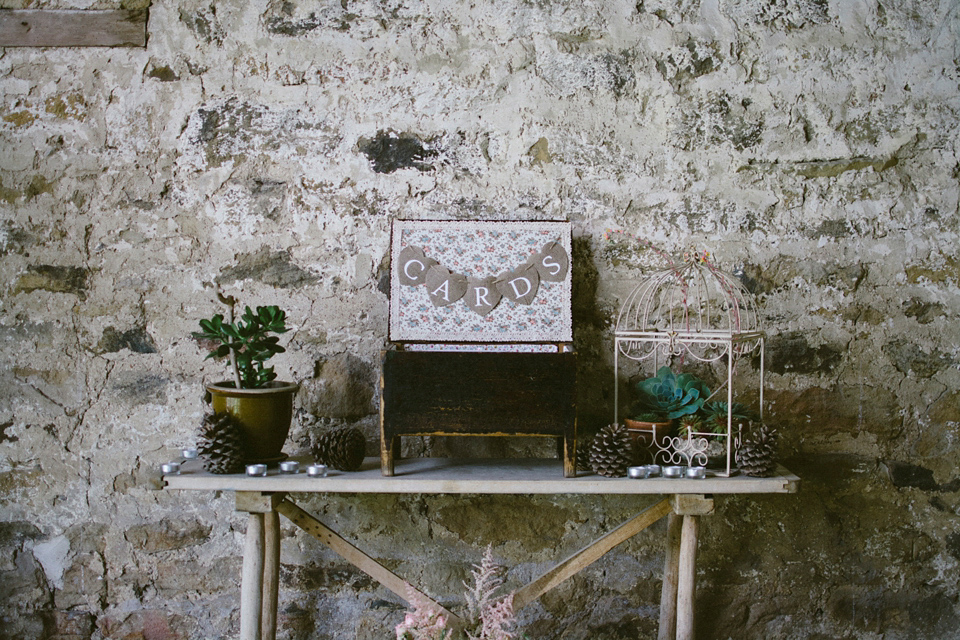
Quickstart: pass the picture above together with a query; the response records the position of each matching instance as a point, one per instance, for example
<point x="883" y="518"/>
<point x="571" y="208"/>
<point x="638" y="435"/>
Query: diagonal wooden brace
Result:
<point x="358" y="558"/>
<point x="590" y="554"/>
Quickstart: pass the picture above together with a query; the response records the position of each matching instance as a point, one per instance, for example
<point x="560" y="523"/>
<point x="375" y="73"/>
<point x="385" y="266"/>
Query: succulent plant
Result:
<point x="246" y="342"/>
<point x="672" y="395"/>
<point x="716" y="415"/>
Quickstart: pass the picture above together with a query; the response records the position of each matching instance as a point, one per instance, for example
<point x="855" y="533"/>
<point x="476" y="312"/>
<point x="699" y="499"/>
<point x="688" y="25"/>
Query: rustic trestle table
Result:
<point x="265" y="498"/>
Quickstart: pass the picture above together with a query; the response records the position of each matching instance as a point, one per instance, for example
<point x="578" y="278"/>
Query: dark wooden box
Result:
<point x="477" y="394"/>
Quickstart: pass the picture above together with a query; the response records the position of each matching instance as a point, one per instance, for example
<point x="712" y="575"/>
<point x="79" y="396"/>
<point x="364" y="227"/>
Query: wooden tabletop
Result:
<point x="475" y="476"/>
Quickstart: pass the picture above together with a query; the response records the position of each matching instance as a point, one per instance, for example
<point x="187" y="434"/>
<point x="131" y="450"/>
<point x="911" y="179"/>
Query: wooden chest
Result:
<point x="477" y="394"/>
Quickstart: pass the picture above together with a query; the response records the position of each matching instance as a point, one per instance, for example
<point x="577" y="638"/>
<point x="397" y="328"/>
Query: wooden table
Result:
<point x="265" y="498"/>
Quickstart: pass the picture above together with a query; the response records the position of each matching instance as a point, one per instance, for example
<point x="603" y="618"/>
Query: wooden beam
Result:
<point x="687" y="578"/>
<point x="271" y="575"/>
<point x="671" y="569"/>
<point x="590" y="554"/>
<point x="73" y="28"/>
<point x="258" y="501"/>
<point x="251" y="580"/>
<point x="691" y="504"/>
<point x="358" y="558"/>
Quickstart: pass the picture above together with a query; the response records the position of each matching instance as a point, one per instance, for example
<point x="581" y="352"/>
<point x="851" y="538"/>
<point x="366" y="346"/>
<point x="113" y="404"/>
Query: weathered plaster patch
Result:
<point x="52" y="556"/>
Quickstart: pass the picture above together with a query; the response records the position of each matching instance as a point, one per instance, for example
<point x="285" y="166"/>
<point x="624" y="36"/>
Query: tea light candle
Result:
<point x="674" y="472"/>
<point x="654" y="470"/>
<point x="188" y="454"/>
<point x="638" y="472"/>
<point x="170" y="468"/>
<point x="256" y="469"/>
<point x="697" y="473"/>
<point x="289" y="466"/>
<point x="317" y="470"/>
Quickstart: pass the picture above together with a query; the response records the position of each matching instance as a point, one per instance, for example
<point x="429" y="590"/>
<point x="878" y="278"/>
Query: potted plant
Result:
<point x="662" y="399"/>
<point x="262" y="405"/>
<point x="713" y="419"/>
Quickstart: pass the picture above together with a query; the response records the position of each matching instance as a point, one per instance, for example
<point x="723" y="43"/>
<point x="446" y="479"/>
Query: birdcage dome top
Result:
<point x="691" y="301"/>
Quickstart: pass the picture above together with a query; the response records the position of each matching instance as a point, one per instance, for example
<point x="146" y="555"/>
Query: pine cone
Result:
<point x="341" y="449"/>
<point x="220" y="444"/>
<point x="583" y="454"/>
<point x="757" y="455"/>
<point x="612" y="451"/>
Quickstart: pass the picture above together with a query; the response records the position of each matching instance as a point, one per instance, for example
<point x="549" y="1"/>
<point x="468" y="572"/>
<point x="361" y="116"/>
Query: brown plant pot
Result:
<point x="264" y="414"/>
<point x="646" y="433"/>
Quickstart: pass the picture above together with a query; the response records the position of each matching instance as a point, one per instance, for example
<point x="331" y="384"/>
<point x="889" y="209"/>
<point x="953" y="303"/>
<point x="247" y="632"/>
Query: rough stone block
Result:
<point x="167" y="535"/>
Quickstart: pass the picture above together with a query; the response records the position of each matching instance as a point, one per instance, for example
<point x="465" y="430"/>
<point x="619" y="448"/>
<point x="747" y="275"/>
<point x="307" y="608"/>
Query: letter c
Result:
<point x="406" y="269"/>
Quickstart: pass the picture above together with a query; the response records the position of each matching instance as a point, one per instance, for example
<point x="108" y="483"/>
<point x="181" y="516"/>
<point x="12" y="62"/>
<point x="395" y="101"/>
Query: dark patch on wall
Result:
<point x="815" y="413"/>
<point x="227" y="128"/>
<point x="861" y="607"/>
<point x="619" y="67"/>
<point x="166" y="535"/>
<point x="275" y="268"/>
<point x="629" y="627"/>
<point x="478" y="520"/>
<point x="383" y="277"/>
<point x="721" y="119"/>
<point x="3" y="432"/>
<point x="953" y="545"/>
<point x="181" y="576"/>
<point x="142" y="389"/>
<point x="163" y="74"/>
<point x="53" y="278"/>
<point x="203" y="24"/>
<point x="286" y="25"/>
<point x="584" y="280"/>
<point x="14" y="533"/>
<point x="830" y="229"/>
<point x="136" y="340"/>
<point x="792" y="353"/>
<point x="782" y="271"/>
<point x="38" y="185"/>
<point x="699" y="60"/>
<point x="904" y="475"/>
<point x="70" y="625"/>
<point x="793" y="15"/>
<point x="389" y="152"/>
<point x="283" y="18"/>
<point x="22" y="581"/>
<point x="298" y="621"/>
<point x="343" y="386"/>
<point x="17" y="240"/>
<point x="7" y="194"/>
<point x="924" y="312"/>
<point x="146" y="623"/>
<point x="268" y="197"/>
<point x="908" y="357"/>
<point x="934" y="616"/>
<point x="313" y="578"/>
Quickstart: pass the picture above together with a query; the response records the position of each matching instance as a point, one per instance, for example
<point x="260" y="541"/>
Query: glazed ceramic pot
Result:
<point x="264" y="415"/>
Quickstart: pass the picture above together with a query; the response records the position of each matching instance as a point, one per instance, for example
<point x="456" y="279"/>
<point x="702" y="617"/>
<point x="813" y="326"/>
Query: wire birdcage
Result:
<point x="691" y="309"/>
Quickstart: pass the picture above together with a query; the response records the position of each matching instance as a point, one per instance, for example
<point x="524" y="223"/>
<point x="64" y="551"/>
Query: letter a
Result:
<point x="445" y="287"/>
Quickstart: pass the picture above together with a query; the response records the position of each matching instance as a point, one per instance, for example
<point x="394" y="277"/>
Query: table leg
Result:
<point x="251" y="587"/>
<point x="668" y="594"/>
<point x="271" y="575"/>
<point x="687" y="578"/>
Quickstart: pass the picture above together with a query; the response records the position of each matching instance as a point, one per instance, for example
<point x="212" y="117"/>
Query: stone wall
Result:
<point x="810" y="145"/>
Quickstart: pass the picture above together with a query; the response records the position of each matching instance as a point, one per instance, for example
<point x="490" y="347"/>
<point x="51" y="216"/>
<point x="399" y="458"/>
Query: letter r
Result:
<point x="482" y="296"/>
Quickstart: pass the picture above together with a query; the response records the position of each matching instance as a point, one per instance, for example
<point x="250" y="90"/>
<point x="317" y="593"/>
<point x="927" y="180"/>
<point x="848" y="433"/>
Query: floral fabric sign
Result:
<point x="480" y="281"/>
